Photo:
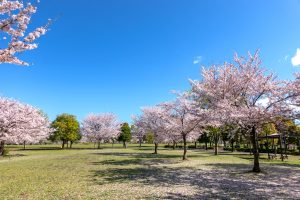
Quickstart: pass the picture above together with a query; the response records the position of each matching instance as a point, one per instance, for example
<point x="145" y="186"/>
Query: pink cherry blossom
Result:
<point x="21" y="123"/>
<point x="101" y="127"/>
<point x="16" y="17"/>
<point x="245" y="94"/>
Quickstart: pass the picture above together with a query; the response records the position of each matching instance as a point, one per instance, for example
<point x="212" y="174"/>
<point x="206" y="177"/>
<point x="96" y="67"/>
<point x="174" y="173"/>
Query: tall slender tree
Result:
<point x="137" y="131"/>
<point x="185" y="118"/>
<point x="125" y="135"/>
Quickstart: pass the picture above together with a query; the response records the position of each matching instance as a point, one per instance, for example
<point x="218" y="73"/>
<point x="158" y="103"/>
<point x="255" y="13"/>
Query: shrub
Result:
<point x="5" y="152"/>
<point x="227" y="149"/>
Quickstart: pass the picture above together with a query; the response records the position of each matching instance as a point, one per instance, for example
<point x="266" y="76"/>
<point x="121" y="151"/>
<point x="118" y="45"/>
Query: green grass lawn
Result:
<point x="46" y="172"/>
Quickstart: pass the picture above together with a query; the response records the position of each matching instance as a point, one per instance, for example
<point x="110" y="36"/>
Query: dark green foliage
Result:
<point x="204" y="138"/>
<point x="66" y="129"/>
<point x="125" y="135"/>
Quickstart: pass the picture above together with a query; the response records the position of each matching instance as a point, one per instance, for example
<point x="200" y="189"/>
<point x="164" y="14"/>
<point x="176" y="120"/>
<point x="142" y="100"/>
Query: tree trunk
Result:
<point x="256" y="167"/>
<point x="67" y="144"/>
<point x="184" y="157"/>
<point x="71" y="144"/>
<point x="174" y="144"/>
<point x="299" y="146"/>
<point x="2" y="148"/>
<point x="124" y="144"/>
<point x="216" y="145"/>
<point x="140" y="143"/>
<point x="195" y="145"/>
<point x="286" y="145"/>
<point x="99" y="145"/>
<point x="267" y="146"/>
<point x="205" y="145"/>
<point x="281" y="152"/>
<point x="155" y="148"/>
<point x="24" y="145"/>
<point x="63" y="144"/>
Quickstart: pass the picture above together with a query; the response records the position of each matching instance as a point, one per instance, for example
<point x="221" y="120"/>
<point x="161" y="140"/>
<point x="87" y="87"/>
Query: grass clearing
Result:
<point x="133" y="173"/>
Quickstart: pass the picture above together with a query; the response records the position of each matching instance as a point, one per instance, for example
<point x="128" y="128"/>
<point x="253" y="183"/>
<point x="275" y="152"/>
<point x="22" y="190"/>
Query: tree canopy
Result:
<point x="125" y="135"/>
<point x="66" y="129"/>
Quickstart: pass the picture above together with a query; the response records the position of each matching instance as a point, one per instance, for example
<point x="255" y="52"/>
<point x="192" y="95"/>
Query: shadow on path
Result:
<point x="223" y="181"/>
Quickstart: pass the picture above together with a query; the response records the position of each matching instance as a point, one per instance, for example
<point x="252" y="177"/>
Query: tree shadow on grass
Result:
<point x="137" y="161"/>
<point x="144" y="155"/>
<point x="14" y="155"/>
<point x="119" y="162"/>
<point x="276" y="180"/>
<point x="222" y="181"/>
<point x="40" y="149"/>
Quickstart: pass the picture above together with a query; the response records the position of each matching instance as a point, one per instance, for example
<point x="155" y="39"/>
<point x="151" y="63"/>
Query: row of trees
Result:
<point x="239" y="98"/>
<point x="21" y="123"/>
<point x="94" y="128"/>
<point x="233" y="138"/>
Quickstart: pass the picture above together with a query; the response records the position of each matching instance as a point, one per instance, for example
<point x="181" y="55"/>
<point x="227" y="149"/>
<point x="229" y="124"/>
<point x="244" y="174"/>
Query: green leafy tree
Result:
<point x="204" y="138"/>
<point x="149" y="138"/>
<point x="66" y="129"/>
<point x="215" y="133"/>
<point x="291" y="132"/>
<point x="125" y="135"/>
<point x="226" y="133"/>
<point x="268" y="129"/>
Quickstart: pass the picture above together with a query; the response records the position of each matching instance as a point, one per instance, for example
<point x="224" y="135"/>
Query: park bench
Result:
<point x="284" y="157"/>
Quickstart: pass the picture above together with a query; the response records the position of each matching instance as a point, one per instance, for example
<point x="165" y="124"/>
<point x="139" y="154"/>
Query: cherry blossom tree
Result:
<point x="21" y="123"/>
<point x="38" y="133"/>
<point x="294" y="89"/>
<point x="185" y="118"/>
<point x="173" y="137"/>
<point x="101" y="127"/>
<point x="138" y="131"/>
<point x="153" y="120"/>
<point x="245" y="94"/>
<point x="15" y="19"/>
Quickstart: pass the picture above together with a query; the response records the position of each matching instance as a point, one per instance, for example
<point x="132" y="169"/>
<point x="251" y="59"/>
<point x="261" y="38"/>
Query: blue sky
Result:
<point x="117" y="56"/>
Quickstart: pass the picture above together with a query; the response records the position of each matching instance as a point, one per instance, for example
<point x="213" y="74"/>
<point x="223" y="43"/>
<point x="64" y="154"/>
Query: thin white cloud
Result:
<point x="286" y="57"/>
<point x="296" y="59"/>
<point x="197" y="60"/>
